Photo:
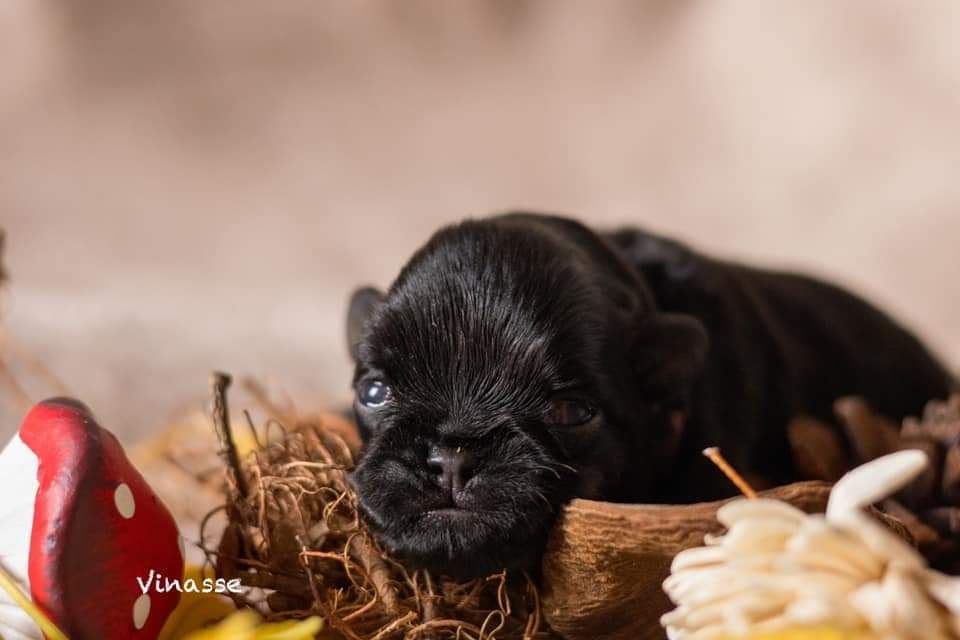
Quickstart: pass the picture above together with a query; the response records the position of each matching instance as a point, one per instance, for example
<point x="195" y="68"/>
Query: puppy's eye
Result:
<point x="373" y="393"/>
<point x="569" y="413"/>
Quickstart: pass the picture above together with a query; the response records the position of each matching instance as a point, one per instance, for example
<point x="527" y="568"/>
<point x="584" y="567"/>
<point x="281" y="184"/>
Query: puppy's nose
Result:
<point x="452" y="466"/>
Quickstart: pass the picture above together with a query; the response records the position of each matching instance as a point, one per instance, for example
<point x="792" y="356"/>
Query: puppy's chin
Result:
<point x="501" y="520"/>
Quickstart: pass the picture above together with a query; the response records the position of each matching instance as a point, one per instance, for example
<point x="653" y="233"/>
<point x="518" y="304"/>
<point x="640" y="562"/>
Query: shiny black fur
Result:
<point x="678" y="351"/>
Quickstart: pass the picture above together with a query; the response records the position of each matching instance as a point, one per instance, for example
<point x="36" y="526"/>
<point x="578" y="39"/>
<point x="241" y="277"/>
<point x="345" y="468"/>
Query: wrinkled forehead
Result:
<point x="457" y="335"/>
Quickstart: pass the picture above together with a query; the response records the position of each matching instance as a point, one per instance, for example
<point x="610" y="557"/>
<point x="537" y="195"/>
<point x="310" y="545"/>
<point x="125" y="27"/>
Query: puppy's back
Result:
<point x="782" y="344"/>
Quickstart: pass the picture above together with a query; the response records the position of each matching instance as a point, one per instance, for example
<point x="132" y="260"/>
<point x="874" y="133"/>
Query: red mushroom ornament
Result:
<point x="101" y="544"/>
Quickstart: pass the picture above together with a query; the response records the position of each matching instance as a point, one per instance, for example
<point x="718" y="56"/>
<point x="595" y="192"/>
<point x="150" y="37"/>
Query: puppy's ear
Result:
<point x="363" y="303"/>
<point x="669" y="355"/>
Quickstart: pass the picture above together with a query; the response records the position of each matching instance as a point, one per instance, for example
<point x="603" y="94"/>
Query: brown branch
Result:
<point x="624" y="551"/>
<point x="219" y="382"/>
<point x="372" y="560"/>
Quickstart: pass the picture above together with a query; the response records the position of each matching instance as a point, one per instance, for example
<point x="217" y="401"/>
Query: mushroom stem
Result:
<point x="219" y="382"/>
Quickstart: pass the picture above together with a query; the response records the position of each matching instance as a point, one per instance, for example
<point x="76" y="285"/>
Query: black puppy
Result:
<point x="522" y="360"/>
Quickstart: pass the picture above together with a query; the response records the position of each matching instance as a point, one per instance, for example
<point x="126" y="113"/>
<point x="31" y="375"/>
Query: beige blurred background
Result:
<point x="196" y="184"/>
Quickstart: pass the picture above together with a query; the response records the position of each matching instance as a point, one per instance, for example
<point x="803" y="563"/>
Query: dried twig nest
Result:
<point x="294" y="533"/>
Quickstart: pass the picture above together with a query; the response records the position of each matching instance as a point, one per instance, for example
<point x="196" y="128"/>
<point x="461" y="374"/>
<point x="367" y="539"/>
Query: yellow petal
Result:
<point x="195" y="610"/>
<point x="12" y="589"/>
<point x="293" y="630"/>
<point x="245" y="625"/>
<point x="238" y="626"/>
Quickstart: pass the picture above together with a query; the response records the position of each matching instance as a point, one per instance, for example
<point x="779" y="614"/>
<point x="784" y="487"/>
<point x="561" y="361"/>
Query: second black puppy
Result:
<point x="519" y="361"/>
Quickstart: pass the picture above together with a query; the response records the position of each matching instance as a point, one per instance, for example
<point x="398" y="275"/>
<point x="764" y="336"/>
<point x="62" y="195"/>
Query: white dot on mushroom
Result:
<point x="141" y="610"/>
<point x="123" y="499"/>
